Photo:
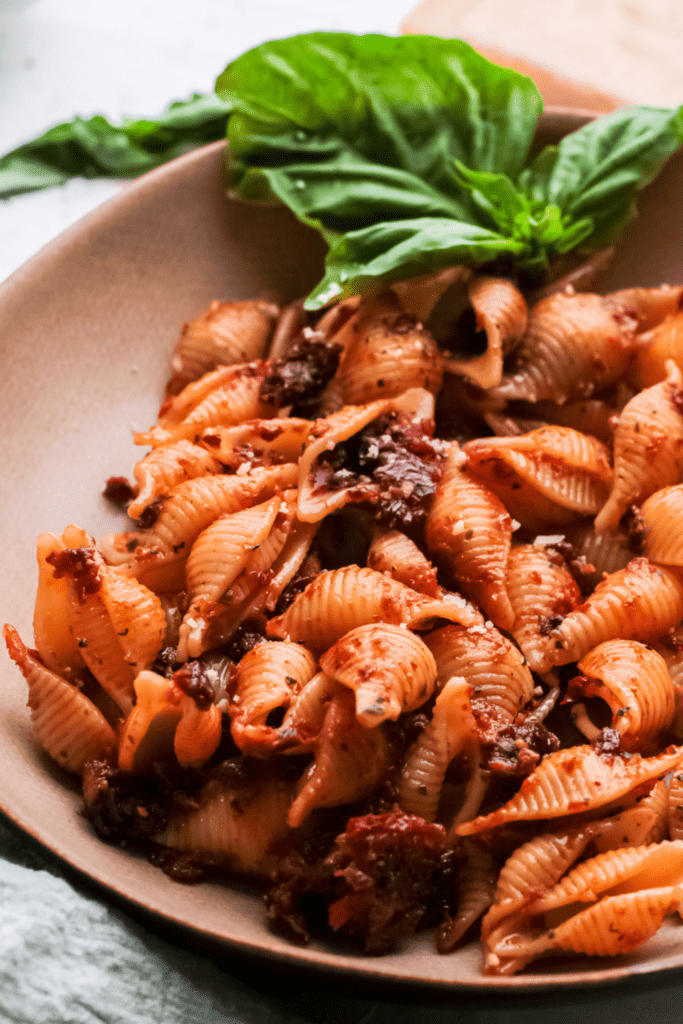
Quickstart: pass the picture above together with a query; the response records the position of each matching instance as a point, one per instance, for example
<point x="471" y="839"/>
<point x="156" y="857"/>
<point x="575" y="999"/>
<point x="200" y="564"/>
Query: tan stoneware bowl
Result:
<point x="86" y="329"/>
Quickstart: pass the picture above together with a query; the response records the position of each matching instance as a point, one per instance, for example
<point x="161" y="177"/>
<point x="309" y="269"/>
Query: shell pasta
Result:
<point x="396" y="623"/>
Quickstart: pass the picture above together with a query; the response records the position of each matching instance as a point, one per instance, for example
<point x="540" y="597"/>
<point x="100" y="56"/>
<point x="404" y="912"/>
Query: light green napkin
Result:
<point x="69" y="959"/>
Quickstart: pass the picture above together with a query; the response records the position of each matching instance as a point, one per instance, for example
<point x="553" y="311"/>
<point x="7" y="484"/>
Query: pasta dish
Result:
<point x="397" y="624"/>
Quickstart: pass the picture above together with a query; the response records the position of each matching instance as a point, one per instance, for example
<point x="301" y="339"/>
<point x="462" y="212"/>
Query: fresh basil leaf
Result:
<point x="20" y="174"/>
<point x="93" y="147"/>
<point x="352" y="194"/>
<point x="598" y="170"/>
<point x="541" y="226"/>
<point x="360" y="137"/>
<point x="413" y="103"/>
<point x="363" y="260"/>
<point x="496" y="197"/>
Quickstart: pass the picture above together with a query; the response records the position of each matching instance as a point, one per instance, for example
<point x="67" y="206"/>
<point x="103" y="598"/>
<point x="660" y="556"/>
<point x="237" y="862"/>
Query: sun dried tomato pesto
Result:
<point x="119" y="491"/>
<point x="519" y="747"/>
<point x="193" y="680"/>
<point x="376" y="883"/>
<point x="393" y="463"/>
<point x="81" y="565"/>
<point x="150" y="514"/>
<point x="563" y="553"/>
<point x="309" y="364"/>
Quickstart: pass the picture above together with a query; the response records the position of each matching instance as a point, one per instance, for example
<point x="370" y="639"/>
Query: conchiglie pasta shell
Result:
<point x="635" y="683"/>
<point x="390" y="670"/>
<point x="269" y="676"/>
<point x="568" y="468"/>
<point x="648" y="448"/>
<point x="97" y="637"/>
<point x="394" y="354"/>
<point x="663" y="342"/>
<point x="617" y="871"/>
<point x="662" y="517"/>
<point x="655" y="803"/>
<point x="636" y="826"/>
<point x="137" y="617"/>
<point x="488" y="662"/>
<point x="615" y="925"/>
<point x="197" y="734"/>
<point x="209" y="623"/>
<point x="576" y="345"/>
<point x="167" y="466"/>
<point x="572" y="781"/>
<point x="537" y="866"/>
<point x="192" y="507"/>
<point x="304" y="718"/>
<point x="350" y="762"/>
<point x="641" y="602"/>
<point x="166" y="719"/>
<point x="315" y="500"/>
<point x="226" y="396"/>
<point x="221" y="551"/>
<point x="282" y="440"/>
<point x="251" y="595"/>
<point x="350" y="320"/>
<point x="282" y="570"/>
<point x="502" y="314"/>
<point x="52" y="635"/>
<point x="469" y="530"/>
<point x="340" y="600"/>
<point x="225" y="333"/>
<point x="476" y="889"/>
<point x="541" y="590"/>
<point x="651" y="306"/>
<point x="147" y="733"/>
<point x="393" y="553"/>
<point x="64" y="722"/>
<point x="451" y="729"/>
<point x="534" y="867"/>
<point x="236" y="828"/>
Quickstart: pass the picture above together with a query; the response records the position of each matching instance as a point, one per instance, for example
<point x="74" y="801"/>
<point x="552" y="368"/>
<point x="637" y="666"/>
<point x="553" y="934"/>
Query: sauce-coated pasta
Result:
<point x="388" y="616"/>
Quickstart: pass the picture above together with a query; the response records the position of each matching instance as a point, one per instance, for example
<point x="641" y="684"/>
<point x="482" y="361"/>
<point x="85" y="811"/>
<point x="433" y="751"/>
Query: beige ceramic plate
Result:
<point x="86" y="330"/>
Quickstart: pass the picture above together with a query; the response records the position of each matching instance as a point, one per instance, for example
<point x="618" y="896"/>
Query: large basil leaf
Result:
<point x="394" y="249"/>
<point x="351" y="193"/>
<point x="413" y="103"/>
<point x="358" y="133"/>
<point x="597" y="171"/>
<point x="92" y="147"/>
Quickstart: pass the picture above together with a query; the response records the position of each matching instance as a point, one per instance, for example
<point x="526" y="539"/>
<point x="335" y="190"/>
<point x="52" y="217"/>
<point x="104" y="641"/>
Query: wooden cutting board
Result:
<point x="591" y="54"/>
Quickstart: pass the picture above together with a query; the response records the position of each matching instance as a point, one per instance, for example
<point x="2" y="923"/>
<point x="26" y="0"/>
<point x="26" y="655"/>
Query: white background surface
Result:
<point x="59" y="58"/>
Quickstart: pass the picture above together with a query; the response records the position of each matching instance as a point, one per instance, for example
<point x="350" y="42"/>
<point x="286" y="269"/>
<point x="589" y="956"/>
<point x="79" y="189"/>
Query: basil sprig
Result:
<point x="410" y="154"/>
